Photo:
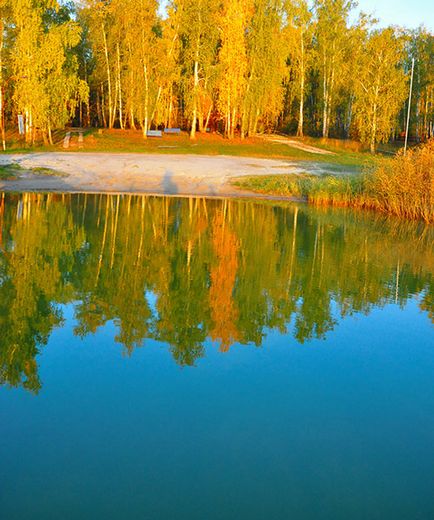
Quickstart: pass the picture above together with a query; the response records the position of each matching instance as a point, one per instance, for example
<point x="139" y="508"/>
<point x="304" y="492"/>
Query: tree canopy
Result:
<point x="237" y="67"/>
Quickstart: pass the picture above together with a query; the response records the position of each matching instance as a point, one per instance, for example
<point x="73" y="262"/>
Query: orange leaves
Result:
<point x="224" y="313"/>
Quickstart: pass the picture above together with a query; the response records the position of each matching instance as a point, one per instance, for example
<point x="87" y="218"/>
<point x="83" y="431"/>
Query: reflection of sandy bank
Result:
<point x="140" y="173"/>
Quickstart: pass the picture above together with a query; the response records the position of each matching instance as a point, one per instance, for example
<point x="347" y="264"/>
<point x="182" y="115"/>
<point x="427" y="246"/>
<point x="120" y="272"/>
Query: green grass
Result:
<point x="46" y="172"/>
<point x="216" y="145"/>
<point x="336" y="190"/>
<point x="9" y="171"/>
<point x="13" y="171"/>
<point x="118" y="141"/>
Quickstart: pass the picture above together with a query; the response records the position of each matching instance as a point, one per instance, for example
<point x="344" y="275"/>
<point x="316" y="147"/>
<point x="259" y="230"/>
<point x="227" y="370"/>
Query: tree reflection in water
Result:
<point x="221" y="270"/>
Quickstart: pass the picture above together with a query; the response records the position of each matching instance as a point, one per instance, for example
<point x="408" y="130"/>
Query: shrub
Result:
<point x="404" y="185"/>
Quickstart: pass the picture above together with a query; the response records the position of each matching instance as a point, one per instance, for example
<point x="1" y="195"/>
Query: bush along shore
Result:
<point x="402" y="186"/>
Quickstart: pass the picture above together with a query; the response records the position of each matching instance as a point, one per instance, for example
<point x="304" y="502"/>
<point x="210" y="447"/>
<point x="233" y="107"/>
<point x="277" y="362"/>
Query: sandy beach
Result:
<point x="144" y="173"/>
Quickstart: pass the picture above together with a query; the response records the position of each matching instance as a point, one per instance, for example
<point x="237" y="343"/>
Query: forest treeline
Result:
<point x="235" y="66"/>
<point x="188" y="272"/>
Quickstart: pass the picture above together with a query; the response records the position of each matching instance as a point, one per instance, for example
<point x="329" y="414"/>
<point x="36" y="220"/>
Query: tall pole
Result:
<point x="409" y="107"/>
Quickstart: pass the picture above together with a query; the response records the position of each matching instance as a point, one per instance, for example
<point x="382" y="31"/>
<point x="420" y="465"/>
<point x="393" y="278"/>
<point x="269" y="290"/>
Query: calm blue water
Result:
<point x="321" y="425"/>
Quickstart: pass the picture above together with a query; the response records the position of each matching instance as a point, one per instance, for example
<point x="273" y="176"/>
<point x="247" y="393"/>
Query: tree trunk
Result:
<point x="374" y="129"/>
<point x="196" y="85"/>
<point x="255" y="124"/>
<point x="156" y="104"/>
<point x="302" y="80"/>
<point x="132" y="121"/>
<point x="109" y="80"/>
<point x="228" y="117"/>
<point x="169" y="117"/>
<point x="208" y="118"/>
<point x="119" y="85"/>
<point x="325" y="99"/>
<point x="232" y="133"/>
<point x="104" y="119"/>
<point x="29" y="126"/>
<point x="2" y="108"/>
<point x="146" y="118"/>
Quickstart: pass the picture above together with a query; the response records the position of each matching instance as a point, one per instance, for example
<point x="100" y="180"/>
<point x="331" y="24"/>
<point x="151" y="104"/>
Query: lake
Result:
<point x="170" y="358"/>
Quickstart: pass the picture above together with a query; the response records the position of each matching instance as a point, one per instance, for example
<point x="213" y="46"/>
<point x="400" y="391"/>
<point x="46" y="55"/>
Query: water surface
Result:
<point x="194" y="359"/>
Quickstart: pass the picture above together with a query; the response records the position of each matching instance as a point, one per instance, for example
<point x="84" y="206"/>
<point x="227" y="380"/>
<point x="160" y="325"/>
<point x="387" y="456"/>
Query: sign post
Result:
<point x="21" y="124"/>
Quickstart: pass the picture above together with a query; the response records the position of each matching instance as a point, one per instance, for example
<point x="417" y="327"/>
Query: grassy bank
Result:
<point x="403" y="186"/>
<point x="131" y="141"/>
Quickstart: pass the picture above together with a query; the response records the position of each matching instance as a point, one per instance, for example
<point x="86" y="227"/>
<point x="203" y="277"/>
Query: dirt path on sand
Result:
<point x="274" y="138"/>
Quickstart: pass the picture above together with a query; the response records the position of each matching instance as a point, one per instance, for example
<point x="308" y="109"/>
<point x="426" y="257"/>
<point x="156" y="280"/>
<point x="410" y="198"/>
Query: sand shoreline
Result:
<point x="153" y="174"/>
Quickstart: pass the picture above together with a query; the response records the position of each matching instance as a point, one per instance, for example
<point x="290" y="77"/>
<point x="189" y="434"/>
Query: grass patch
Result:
<point x="46" y="172"/>
<point x="324" y="189"/>
<point x="131" y="141"/>
<point x="402" y="186"/>
<point x="13" y="171"/>
<point x="9" y="172"/>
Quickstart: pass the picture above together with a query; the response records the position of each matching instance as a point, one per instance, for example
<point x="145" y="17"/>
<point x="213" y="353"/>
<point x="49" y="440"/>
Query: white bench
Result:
<point x="154" y="133"/>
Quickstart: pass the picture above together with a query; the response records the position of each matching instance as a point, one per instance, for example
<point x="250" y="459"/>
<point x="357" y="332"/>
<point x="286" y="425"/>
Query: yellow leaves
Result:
<point x="233" y="61"/>
<point x="42" y="61"/>
<point x="379" y="86"/>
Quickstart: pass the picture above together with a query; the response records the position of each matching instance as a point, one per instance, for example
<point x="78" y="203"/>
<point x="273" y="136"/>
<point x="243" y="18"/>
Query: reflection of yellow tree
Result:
<point x="224" y="313"/>
<point x="41" y="241"/>
<point x="2" y="210"/>
<point x="180" y="271"/>
<point x="427" y="303"/>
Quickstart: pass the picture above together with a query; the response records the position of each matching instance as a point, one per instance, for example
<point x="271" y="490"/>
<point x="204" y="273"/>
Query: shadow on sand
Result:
<point x="169" y="187"/>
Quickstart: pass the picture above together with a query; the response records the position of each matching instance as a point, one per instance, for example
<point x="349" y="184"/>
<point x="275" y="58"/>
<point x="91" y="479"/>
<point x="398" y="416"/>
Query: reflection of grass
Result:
<point x="403" y="186"/>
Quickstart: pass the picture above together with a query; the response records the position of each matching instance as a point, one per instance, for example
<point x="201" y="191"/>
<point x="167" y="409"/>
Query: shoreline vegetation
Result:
<point x="401" y="186"/>
<point x="231" y="78"/>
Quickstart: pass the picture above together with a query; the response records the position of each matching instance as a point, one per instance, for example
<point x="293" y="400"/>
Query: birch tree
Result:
<point x="380" y="87"/>
<point x="46" y="85"/>
<point x="266" y="54"/>
<point x="331" y="42"/>
<point x="299" y="33"/>
<point x="421" y="47"/>
<point x="199" y="35"/>
<point x="233" y="62"/>
<point x="4" y="18"/>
